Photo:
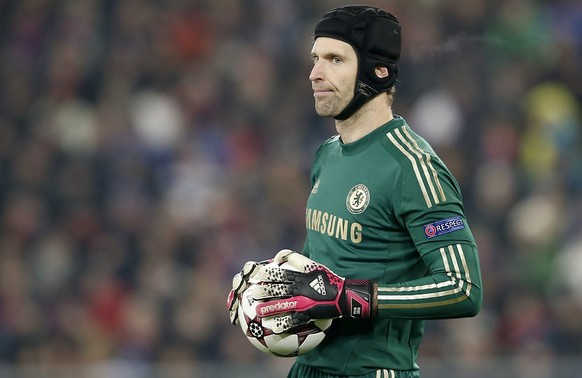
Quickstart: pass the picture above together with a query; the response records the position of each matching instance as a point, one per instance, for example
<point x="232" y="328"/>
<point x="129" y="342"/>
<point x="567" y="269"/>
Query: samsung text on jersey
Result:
<point x="334" y="226"/>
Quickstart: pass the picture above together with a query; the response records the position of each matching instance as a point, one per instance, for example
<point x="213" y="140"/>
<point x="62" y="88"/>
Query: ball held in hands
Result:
<point x="312" y="291"/>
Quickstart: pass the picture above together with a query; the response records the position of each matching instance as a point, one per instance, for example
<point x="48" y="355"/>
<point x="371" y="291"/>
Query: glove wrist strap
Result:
<point x="357" y="299"/>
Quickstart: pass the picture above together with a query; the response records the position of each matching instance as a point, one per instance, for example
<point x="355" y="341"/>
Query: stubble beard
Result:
<point x="329" y="107"/>
<point x="324" y="108"/>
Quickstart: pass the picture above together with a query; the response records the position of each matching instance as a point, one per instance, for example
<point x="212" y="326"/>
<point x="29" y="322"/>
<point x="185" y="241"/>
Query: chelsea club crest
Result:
<point x="358" y="199"/>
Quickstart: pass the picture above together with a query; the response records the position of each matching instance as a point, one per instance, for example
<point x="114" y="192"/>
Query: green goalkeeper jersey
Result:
<point x="386" y="208"/>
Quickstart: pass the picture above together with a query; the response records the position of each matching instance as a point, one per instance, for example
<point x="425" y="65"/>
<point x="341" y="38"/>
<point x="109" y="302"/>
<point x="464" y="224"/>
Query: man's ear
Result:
<point x="382" y="71"/>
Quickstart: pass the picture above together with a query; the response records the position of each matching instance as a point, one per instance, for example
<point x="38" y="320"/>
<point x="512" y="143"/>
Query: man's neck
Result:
<point x="367" y="119"/>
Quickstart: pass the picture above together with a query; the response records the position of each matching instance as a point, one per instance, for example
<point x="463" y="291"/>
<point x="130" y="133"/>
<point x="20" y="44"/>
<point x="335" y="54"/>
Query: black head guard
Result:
<point x="375" y="35"/>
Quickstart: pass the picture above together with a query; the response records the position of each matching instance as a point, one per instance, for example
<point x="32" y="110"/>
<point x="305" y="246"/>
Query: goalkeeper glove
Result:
<point x="240" y="282"/>
<point x="315" y="292"/>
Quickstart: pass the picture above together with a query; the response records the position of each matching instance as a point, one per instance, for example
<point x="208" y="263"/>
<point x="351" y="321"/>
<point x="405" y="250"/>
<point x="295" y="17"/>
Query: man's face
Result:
<point x="333" y="76"/>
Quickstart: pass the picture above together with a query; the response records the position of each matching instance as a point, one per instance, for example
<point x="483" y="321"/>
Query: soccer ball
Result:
<point x="260" y="333"/>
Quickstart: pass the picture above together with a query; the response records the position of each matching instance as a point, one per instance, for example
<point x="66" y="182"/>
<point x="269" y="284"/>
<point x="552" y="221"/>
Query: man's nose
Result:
<point x="316" y="72"/>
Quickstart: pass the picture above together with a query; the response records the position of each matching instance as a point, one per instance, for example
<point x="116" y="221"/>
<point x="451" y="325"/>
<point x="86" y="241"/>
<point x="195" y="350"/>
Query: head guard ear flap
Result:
<point x="375" y="36"/>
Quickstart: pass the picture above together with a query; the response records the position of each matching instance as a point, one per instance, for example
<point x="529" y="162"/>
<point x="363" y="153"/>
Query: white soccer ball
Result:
<point x="260" y="333"/>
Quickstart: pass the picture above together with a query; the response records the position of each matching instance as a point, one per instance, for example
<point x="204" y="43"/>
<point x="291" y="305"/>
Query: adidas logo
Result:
<point x="315" y="187"/>
<point x="318" y="285"/>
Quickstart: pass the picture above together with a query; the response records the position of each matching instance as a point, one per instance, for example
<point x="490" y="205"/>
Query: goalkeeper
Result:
<point x="386" y="231"/>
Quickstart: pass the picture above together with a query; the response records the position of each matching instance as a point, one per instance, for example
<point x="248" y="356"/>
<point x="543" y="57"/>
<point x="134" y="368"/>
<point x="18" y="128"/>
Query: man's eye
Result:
<point x="336" y="60"/>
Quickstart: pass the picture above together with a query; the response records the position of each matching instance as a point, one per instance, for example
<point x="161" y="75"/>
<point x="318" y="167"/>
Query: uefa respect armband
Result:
<point x="443" y="227"/>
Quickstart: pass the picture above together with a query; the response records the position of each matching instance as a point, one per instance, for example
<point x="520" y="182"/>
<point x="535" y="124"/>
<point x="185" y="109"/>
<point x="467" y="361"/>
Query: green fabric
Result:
<point x="370" y="203"/>
<point x="302" y="371"/>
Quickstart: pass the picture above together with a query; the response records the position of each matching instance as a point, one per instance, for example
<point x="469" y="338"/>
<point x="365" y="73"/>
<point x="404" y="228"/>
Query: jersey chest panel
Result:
<point x="349" y="217"/>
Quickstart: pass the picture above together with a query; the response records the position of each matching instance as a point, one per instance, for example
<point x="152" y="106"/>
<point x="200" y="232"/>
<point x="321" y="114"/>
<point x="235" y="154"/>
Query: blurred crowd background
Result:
<point x="149" y="148"/>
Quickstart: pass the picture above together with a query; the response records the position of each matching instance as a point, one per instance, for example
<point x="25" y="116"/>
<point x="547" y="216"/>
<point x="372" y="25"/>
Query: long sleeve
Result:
<point x="428" y="204"/>
<point x="452" y="287"/>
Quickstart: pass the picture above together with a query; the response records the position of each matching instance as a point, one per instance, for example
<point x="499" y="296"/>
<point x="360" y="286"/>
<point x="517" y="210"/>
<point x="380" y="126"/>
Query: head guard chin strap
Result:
<point x="375" y="36"/>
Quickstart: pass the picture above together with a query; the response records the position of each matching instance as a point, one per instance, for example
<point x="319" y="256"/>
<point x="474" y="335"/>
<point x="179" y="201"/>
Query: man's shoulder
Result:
<point x="405" y="143"/>
<point x="329" y="143"/>
<point x="331" y="140"/>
